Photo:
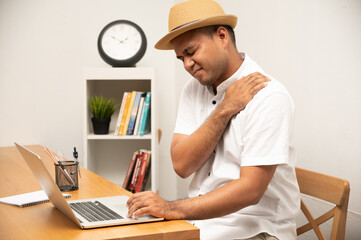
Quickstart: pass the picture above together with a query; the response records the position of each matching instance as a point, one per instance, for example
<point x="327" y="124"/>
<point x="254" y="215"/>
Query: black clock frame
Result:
<point x="126" y="62"/>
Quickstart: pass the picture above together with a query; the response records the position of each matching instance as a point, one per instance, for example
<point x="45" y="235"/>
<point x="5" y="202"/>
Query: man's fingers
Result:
<point x="140" y="212"/>
<point x="258" y="83"/>
<point x="259" y="78"/>
<point x="251" y="77"/>
<point x="137" y="213"/>
<point x="258" y="87"/>
<point x="139" y="203"/>
<point x="134" y="203"/>
<point x="133" y="208"/>
<point x="148" y="203"/>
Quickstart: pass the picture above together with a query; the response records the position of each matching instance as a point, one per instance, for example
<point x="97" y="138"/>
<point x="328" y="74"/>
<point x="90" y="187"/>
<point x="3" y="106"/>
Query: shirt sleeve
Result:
<point x="268" y="126"/>
<point x="185" y="123"/>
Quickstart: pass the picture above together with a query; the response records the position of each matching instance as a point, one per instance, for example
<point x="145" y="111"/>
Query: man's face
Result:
<point x="203" y="56"/>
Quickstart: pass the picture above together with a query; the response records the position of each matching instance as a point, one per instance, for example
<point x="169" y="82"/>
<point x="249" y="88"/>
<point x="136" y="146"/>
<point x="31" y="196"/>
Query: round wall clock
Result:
<point x="122" y="43"/>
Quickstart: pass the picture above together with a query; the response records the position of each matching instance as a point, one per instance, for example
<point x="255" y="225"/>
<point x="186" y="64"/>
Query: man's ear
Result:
<point x="222" y="35"/>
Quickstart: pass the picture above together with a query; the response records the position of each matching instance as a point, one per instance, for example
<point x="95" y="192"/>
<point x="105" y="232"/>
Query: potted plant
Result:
<point x="102" y="110"/>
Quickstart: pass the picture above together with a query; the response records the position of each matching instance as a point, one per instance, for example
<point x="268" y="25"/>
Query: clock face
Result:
<point x="121" y="41"/>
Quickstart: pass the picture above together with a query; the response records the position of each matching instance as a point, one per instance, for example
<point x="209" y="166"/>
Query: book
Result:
<point x="129" y="112"/>
<point x="146" y="177"/>
<point x="125" y="112"/>
<point x="130" y="170"/>
<point x="144" y="171"/>
<point x="28" y="199"/>
<point x="136" y="170"/>
<point x="121" y="111"/>
<point x="137" y="121"/>
<point x="134" y="113"/>
<point x="144" y="125"/>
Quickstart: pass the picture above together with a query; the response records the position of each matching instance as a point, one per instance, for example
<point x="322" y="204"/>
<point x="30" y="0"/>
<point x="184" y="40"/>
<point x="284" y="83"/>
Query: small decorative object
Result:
<point x="102" y="110"/>
<point x="122" y="43"/>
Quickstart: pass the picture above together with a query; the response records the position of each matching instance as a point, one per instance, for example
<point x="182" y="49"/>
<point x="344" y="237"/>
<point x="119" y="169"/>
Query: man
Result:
<point x="232" y="132"/>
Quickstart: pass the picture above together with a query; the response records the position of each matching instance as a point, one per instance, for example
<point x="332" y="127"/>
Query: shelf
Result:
<point x="119" y="74"/>
<point x="111" y="136"/>
<point x="109" y="155"/>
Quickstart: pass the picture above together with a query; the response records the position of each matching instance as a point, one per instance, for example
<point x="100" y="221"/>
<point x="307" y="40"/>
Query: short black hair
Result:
<point x="210" y="30"/>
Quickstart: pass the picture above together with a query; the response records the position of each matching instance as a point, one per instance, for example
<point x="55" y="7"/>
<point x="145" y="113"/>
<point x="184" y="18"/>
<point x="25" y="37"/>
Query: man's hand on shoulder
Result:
<point x="242" y="91"/>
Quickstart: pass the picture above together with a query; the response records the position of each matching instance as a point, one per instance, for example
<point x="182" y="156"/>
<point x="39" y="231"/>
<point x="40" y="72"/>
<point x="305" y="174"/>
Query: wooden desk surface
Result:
<point x="43" y="221"/>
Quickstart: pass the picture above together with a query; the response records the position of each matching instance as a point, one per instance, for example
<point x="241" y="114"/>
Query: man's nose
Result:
<point x="188" y="63"/>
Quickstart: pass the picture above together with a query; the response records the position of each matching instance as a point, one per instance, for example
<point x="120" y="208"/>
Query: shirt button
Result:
<point x="214" y="102"/>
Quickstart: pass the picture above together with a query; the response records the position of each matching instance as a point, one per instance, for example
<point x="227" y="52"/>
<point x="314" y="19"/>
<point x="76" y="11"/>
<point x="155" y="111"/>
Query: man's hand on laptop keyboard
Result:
<point x="151" y="203"/>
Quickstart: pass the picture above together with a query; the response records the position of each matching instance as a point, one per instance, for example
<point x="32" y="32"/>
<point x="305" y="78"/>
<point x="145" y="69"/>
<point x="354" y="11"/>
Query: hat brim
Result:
<point x="224" y="19"/>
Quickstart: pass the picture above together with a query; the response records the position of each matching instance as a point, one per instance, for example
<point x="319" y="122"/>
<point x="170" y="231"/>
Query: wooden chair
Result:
<point x="328" y="188"/>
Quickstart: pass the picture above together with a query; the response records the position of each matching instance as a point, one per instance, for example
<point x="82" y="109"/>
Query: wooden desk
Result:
<point x="43" y="221"/>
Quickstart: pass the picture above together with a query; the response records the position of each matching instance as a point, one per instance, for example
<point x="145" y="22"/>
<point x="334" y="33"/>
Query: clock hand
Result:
<point x="122" y="41"/>
<point x="116" y="39"/>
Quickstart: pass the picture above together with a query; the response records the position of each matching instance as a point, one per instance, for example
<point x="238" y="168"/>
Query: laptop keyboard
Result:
<point x="94" y="211"/>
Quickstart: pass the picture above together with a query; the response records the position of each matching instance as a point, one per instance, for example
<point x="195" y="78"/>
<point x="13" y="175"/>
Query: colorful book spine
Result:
<point x="139" y="114"/>
<point x="126" y="108"/>
<point x="121" y="111"/>
<point x="136" y="171"/>
<point x="129" y="112"/>
<point x="144" y="125"/>
<point x="134" y="113"/>
<point x="144" y="168"/>
<point x="130" y="170"/>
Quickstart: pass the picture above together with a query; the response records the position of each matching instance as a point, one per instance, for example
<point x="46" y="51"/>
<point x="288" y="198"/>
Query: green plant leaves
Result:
<point x="102" y="107"/>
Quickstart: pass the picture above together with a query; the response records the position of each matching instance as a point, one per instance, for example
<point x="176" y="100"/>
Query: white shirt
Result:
<point x="261" y="134"/>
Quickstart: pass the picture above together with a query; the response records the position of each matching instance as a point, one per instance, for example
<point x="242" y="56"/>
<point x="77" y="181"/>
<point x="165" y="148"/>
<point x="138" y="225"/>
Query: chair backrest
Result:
<point x="330" y="189"/>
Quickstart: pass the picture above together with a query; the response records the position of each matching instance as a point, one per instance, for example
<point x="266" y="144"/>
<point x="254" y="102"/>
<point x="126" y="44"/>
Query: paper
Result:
<point x="28" y="199"/>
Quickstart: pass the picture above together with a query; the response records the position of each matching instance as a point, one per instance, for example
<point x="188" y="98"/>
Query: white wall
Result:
<point x="44" y="47"/>
<point x="313" y="47"/>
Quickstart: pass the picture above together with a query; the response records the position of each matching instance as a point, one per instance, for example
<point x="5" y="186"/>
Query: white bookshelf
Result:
<point x="109" y="155"/>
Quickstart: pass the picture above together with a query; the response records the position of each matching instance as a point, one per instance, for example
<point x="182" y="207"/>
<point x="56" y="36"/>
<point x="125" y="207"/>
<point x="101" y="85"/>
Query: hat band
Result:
<point x="184" y="25"/>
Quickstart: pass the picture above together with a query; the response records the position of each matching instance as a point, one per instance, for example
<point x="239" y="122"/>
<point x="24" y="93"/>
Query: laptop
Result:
<point x="86" y="213"/>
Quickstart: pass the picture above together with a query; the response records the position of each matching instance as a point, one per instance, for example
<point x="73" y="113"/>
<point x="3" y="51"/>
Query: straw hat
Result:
<point x="193" y="14"/>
